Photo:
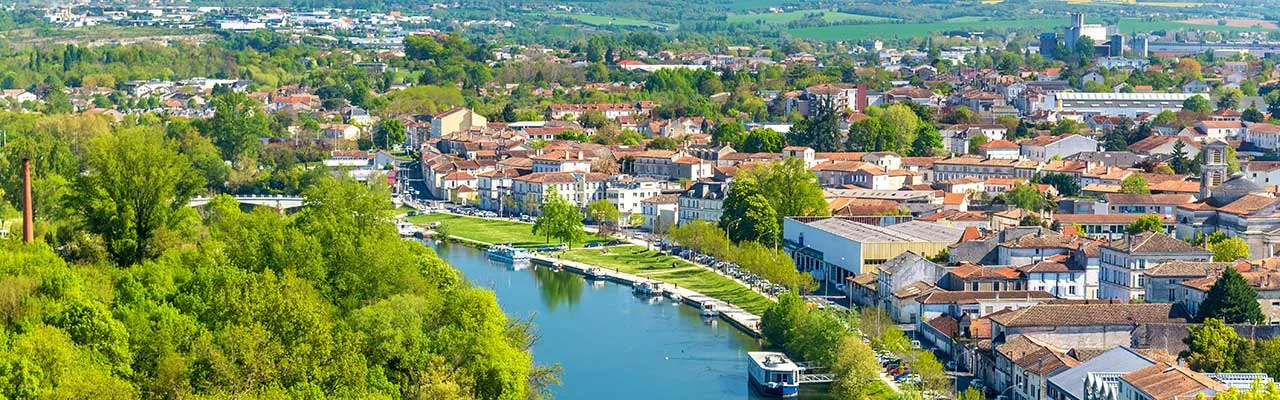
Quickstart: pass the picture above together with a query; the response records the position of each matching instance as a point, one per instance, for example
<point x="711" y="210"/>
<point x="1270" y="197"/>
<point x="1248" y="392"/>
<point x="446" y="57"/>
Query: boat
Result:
<point x="408" y="230"/>
<point x="647" y="288"/>
<point x="557" y="267"/>
<point x="675" y="297"/>
<point x="773" y="374"/>
<point x="709" y="309"/>
<point x="509" y="254"/>
<point x="594" y="273"/>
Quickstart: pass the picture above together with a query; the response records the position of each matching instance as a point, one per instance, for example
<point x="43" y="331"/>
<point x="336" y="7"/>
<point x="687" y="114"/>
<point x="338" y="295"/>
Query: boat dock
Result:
<point x="743" y="320"/>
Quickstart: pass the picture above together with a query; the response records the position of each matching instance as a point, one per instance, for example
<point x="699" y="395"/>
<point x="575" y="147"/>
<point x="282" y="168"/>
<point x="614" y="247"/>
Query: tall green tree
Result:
<point x="237" y="124"/>
<point x="604" y="213"/>
<point x="1197" y="104"/>
<point x="763" y="140"/>
<point x="1134" y="184"/>
<point x="559" y="219"/>
<point x="782" y="320"/>
<point x="1066" y="185"/>
<point x="748" y="214"/>
<point x="1026" y="197"/>
<point x="1211" y="346"/>
<point x="1146" y="223"/>
<point x="821" y="132"/>
<point x="730" y="133"/>
<point x="390" y="133"/>
<point x="1232" y="300"/>
<point x="928" y="142"/>
<point x="1229" y="249"/>
<point x="135" y="184"/>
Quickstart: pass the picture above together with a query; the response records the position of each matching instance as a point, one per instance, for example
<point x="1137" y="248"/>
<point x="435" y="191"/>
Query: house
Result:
<point x="1164" y="381"/>
<point x="1165" y="279"/>
<point x="1264" y="136"/>
<point x="1002" y="149"/>
<point x="340" y="131"/>
<point x="975" y="277"/>
<point x="702" y="201"/>
<point x="628" y="193"/>
<point x="983" y="168"/>
<point x="1107" y="226"/>
<point x="902" y="271"/>
<point x="660" y="212"/>
<point x="561" y="161"/>
<point x="1266" y="284"/>
<point x="1075" y="382"/>
<point x="1057" y="276"/>
<point x="1081" y="326"/>
<point x="579" y="188"/>
<point x="18" y="95"/>
<point x="1221" y="130"/>
<point x="1159" y="204"/>
<point x="1123" y="263"/>
<point x="455" y="120"/>
<point x="1047" y="147"/>
<point x="1157" y="144"/>
<point x="956" y="137"/>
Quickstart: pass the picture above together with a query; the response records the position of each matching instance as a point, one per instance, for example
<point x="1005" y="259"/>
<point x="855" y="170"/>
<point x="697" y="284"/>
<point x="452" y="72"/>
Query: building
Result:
<point x="1081" y="326"/>
<point x="836" y="248"/>
<point x="1108" y="103"/>
<point x="561" y="161"/>
<point x="1192" y="292"/>
<point x="982" y="168"/>
<point x="578" y="188"/>
<point x="900" y="272"/>
<point x="455" y="120"/>
<point x="1046" y="147"/>
<point x="1164" y="381"/>
<point x="703" y="201"/>
<point x="1107" y="226"/>
<point x="660" y="212"/>
<point x="627" y="194"/>
<point x="1159" y="204"/>
<point x="1124" y="262"/>
<point x="1075" y="382"/>
<point x="1231" y="204"/>
<point x="1164" y="281"/>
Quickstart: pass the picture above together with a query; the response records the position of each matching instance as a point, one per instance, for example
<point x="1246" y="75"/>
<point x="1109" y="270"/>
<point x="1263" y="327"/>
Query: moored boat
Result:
<point x="773" y="374"/>
<point x="594" y="273"/>
<point x="509" y="254"/>
<point x="647" y="288"/>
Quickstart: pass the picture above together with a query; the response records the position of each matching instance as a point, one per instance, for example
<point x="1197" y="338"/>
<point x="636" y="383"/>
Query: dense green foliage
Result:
<point x="1232" y="300"/>
<point x="1146" y="223"/>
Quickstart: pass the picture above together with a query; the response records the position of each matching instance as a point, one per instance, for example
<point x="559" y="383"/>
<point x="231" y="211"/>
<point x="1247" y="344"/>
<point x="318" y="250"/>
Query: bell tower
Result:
<point x="1213" y="166"/>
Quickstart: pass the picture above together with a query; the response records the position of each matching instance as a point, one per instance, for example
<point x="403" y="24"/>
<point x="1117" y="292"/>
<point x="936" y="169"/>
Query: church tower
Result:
<point x="1213" y="166"/>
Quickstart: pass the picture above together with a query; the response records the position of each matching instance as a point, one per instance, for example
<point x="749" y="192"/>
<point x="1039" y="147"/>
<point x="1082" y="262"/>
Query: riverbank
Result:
<point x="632" y="262"/>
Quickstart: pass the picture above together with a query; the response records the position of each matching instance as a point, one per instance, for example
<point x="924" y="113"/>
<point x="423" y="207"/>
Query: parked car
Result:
<point x="592" y="244"/>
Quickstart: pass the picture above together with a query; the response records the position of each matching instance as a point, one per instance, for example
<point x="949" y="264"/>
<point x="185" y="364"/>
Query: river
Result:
<point x="612" y="344"/>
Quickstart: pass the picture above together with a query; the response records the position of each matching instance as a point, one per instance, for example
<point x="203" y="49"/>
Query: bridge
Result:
<point x="807" y="377"/>
<point x="279" y="202"/>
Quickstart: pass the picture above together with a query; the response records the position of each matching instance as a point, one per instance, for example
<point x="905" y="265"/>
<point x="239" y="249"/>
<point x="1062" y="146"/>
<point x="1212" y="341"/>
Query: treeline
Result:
<point x="130" y="293"/>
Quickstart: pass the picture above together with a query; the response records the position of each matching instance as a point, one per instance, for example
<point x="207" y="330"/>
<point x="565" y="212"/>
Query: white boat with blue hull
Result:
<point x="773" y="374"/>
<point x="508" y="254"/>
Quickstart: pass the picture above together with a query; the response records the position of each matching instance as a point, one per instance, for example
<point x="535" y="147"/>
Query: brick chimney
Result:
<point x="28" y="234"/>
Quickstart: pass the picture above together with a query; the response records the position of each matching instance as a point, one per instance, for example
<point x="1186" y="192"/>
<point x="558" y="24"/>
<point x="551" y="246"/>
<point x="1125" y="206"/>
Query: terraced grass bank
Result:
<point x="655" y="265"/>
<point x="493" y="231"/>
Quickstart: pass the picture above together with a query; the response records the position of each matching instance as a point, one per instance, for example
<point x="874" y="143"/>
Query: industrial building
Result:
<point x="836" y="247"/>
<point x="1127" y="104"/>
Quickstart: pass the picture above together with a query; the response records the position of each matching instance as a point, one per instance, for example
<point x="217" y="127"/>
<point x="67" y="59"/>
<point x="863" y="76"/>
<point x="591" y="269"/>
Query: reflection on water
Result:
<point x="615" y="345"/>
<point x="558" y="287"/>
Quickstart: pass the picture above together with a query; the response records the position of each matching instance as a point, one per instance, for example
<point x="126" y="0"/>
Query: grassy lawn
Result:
<point x="605" y="20"/>
<point x="655" y="265"/>
<point x="491" y="231"/>
<point x="783" y="18"/>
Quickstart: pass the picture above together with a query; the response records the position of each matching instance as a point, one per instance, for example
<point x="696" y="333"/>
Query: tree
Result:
<point x="1146" y="223"/>
<point x="662" y="143"/>
<point x="1232" y="300"/>
<point x="1197" y="104"/>
<point x="1229" y="249"/>
<point x="1229" y="98"/>
<point x="604" y="213"/>
<point x="976" y="142"/>
<point x="1252" y="114"/>
<point x="821" y="132"/>
<point x="1233" y="162"/>
<point x="1211" y="346"/>
<point x="593" y="119"/>
<point x="1178" y="160"/>
<point x="748" y="214"/>
<point x="135" y="185"/>
<point x="1134" y="184"/>
<point x="237" y="124"/>
<point x="928" y="142"/>
<point x="730" y="133"/>
<point x="1066" y="185"/>
<point x="790" y="187"/>
<point x="972" y="393"/>
<point x="763" y="140"/>
<point x="855" y="368"/>
<point x="1026" y="197"/>
<point x="781" y="320"/>
<point x="559" y="219"/>
<point x="390" y="132"/>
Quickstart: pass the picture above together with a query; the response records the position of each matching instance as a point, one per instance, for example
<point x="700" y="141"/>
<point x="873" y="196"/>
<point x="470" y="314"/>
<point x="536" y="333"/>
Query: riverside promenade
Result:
<point x="743" y="320"/>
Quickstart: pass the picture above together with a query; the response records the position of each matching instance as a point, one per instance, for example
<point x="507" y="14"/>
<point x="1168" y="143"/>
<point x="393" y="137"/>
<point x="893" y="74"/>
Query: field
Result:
<point x="890" y="30"/>
<point x="652" y="264"/>
<point x="1235" y="23"/>
<point x="783" y="18"/>
<point x="604" y="20"/>
<point x="887" y="30"/>
<point x="490" y="230"/>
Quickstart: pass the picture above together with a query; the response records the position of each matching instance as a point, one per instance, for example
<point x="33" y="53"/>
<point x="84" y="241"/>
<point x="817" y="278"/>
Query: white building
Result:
<point x="1124" y="262"/>
<point x="1126" y="104"/>
<point x="704" y="201"/>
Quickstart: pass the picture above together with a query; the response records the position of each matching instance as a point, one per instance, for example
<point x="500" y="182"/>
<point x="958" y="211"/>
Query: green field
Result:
<point x="605" y="20"/>
<point x="491" y="231"/>
<point x="890" y="30"/>
<point x="652" y="264"/>
<point x="783" y="18"/>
